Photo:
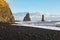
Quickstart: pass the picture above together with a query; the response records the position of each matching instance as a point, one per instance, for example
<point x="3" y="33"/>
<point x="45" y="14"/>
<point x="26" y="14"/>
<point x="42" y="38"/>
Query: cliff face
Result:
<point x="5" y="13"/>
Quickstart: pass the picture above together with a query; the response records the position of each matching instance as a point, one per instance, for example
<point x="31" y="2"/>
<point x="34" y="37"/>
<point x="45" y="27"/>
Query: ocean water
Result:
<point x="36" y="17"/>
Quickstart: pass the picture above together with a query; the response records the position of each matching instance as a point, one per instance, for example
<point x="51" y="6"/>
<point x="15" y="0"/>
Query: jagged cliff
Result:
<point x="5" y="13"/>
<point x="27" y="17"/>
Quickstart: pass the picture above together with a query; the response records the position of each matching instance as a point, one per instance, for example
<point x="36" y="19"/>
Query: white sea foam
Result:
<point x="44" y="25"/>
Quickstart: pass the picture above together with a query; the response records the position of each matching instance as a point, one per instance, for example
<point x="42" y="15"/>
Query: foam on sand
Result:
<point x="44" y="26"/>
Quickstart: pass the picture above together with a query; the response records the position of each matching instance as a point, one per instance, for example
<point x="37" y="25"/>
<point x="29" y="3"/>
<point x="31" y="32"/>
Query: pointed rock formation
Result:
<point x="5" y="13"/>
<point x="27" y="17"/>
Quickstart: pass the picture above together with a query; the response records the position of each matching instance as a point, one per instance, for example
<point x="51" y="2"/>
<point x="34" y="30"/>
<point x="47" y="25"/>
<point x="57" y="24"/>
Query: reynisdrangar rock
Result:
<point x="27" y="17"/>
<point x="5" y="12"/>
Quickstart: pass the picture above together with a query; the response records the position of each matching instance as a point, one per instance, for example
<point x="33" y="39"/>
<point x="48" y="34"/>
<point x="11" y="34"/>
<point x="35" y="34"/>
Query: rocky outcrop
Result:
<point x="5" y="13"/>
<point x="42" y="18"/>
<point x="27" y="17"/>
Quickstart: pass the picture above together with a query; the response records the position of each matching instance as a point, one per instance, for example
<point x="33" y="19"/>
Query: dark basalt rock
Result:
<point x="42" y="18"/>
<point x="27" y="17"/>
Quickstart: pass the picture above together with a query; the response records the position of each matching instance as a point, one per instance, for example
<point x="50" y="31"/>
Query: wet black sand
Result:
<point x="10" y="32"/>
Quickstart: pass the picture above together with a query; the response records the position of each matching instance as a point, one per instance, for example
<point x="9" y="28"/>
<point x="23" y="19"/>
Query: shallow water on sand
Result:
<point x="37" y="23"/>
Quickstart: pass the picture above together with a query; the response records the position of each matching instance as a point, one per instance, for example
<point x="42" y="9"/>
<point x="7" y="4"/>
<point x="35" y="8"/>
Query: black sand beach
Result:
<point x="11" y="32"/>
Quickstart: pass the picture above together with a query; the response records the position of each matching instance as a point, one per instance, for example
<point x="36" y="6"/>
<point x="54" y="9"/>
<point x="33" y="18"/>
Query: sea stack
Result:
<point x="42" y="18"/>
<point x="27" y="17"/>
<point x="5" y="13"/>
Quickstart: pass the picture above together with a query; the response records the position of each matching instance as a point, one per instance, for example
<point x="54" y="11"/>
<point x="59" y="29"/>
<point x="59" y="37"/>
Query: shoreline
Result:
<point x="14" y="32"/>
<point x="55" y="25"/>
